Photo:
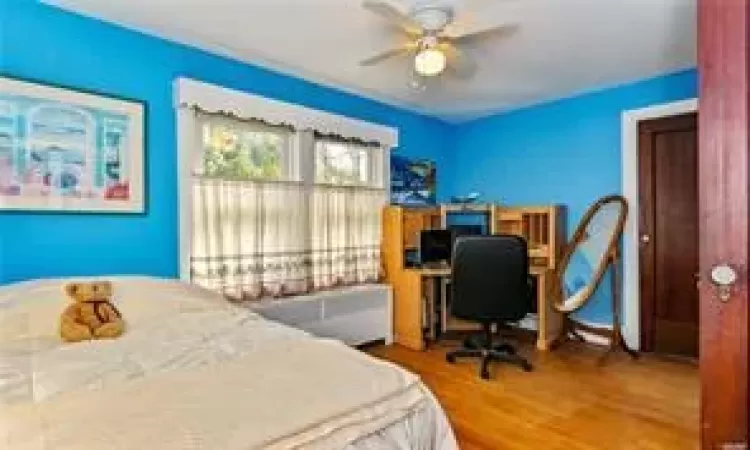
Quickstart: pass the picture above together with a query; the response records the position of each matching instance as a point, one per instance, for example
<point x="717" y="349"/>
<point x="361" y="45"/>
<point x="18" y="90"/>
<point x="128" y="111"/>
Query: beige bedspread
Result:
<point x="238" y="405"/>
<point x="208" y="377"/>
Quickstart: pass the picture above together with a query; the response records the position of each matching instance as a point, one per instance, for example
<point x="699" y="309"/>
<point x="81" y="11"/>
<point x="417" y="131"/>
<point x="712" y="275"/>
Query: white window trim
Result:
<point x="214" y="98"/>
<point x="188" y="138"/>
<point x="211" y="98"/>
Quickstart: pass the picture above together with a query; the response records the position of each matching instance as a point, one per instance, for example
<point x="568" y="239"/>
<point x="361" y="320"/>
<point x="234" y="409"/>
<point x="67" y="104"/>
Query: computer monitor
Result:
<point x="466" y="230"/>
<point x="435" y="246"/>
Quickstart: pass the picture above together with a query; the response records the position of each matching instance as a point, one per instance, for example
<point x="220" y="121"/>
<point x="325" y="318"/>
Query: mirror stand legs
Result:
<point x="617" y="341"/>
<point x="572" y="329"/>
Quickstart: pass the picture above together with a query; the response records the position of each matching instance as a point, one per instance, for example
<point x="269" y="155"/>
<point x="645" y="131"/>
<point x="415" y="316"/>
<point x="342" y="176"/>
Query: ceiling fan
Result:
<point x="433" y="48"/>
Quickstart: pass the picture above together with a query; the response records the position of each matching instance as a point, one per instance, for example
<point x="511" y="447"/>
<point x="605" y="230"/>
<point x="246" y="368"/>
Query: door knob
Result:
<point x="645" y="238"/>
<point x="723" y="277"/>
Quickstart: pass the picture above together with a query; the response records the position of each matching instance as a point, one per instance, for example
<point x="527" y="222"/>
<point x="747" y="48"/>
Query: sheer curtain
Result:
<point x="347" y="201"/>
<point x="248" y="241"/>
<point x="278" y="212"/>
<point x="345" y="235"/>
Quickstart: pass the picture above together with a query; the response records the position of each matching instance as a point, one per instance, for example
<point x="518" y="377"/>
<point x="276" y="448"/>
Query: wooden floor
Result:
<point x="568" y="402"/>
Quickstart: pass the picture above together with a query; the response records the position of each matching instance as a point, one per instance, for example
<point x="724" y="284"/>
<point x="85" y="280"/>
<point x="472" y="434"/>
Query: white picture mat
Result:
<point x="135" y="151"/>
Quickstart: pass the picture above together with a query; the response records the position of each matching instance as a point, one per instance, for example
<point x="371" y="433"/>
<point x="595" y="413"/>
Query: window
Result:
<point x="278" y="212"/>
<point x="338" y="162"/>
<point x="240" y="150"/>
<point x="345" y="211"/>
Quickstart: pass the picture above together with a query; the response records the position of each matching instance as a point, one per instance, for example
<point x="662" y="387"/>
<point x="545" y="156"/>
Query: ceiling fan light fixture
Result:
<point x="429" y="62"/>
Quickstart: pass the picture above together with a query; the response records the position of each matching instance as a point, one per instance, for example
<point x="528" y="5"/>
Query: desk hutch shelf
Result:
<point x="542" y="227"/>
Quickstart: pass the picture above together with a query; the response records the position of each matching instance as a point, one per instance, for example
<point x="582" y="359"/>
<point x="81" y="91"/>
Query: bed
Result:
<point x="195" y="372"/>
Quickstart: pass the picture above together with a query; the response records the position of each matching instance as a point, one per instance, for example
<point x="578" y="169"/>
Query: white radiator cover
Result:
<point x="355" y="315"/>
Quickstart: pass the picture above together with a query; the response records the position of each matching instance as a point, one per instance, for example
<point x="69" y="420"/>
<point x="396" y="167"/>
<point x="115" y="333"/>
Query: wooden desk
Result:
<point x="409" y="323"/>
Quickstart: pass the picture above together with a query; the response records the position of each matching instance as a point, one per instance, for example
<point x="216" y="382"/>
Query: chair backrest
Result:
<point x="490" y="279"/>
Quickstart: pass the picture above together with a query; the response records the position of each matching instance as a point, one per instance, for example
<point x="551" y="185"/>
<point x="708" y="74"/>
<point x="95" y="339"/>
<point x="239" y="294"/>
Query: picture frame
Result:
<point x="413" y="181"/>
<point x="69" y="150"/>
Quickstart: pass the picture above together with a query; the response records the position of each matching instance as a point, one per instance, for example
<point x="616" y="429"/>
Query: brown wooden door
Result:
<point x="724" y="68"/>
<point x="668" y="202"/>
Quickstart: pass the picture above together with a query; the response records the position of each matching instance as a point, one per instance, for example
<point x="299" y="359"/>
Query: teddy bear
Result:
<point x="92" y="314"/>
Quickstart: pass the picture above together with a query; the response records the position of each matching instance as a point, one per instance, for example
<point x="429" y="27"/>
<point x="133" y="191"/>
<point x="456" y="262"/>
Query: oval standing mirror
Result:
<point x="592" y="249"/>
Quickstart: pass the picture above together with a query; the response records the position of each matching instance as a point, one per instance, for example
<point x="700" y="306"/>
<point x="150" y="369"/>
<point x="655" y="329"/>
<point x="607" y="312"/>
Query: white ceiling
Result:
<point x="561" y="47"/>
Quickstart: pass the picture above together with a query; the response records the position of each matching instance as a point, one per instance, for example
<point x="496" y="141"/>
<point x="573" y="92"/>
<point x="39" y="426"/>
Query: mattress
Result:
<point x="194" y="372"/>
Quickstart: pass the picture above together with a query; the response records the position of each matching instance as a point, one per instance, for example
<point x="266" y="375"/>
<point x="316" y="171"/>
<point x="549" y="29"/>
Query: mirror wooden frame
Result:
<point x="572" y="327"/>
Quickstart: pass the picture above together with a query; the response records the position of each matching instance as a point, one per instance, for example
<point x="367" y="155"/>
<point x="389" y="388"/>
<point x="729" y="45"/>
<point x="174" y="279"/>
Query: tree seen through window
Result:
<point x="340" y="163"/>
<point x="233" y="153"/>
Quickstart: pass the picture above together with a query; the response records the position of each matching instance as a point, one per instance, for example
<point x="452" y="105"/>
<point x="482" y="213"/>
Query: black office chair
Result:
<point x="490" y="285"/>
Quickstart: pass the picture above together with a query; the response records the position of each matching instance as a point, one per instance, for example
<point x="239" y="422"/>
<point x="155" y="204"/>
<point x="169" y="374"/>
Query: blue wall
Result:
<point x="566" y="151"/>
<point x="46" y="44"/>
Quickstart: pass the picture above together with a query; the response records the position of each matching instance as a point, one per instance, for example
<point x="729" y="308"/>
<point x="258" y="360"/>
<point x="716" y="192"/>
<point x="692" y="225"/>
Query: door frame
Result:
<point x="631" y="326"/>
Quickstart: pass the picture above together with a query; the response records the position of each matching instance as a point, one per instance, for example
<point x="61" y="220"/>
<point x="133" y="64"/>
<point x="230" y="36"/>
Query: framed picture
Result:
<point x="412" y="181"/>
<point x="69" y="151"/>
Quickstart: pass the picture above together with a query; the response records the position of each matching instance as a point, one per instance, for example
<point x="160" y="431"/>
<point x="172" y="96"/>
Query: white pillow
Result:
<point x="32" y="309"/>
<point x="142" y="299"/>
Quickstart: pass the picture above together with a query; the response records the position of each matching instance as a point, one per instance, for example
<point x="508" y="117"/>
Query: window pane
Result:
<point x="340" y="163"/>
<point x="237" y="153"/>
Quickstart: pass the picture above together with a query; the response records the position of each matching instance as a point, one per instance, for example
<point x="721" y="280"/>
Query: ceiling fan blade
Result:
<point x="380" y="57"/>
<point x="476" y="36"/>
<point x="460" y="63"/>
<point x="393" y="15"/>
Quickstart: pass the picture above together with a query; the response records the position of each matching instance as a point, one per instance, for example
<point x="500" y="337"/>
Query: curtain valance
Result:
<point x="215" y="99"/>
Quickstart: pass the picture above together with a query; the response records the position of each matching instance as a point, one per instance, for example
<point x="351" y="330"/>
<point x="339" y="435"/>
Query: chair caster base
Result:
<point x="489" y="355"/>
